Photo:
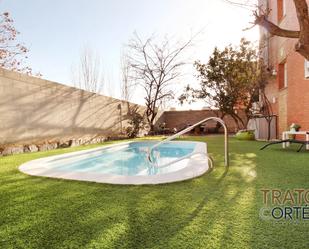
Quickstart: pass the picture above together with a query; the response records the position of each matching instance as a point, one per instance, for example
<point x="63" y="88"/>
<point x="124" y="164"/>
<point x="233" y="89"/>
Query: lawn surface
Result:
<point x="217" y="210"/>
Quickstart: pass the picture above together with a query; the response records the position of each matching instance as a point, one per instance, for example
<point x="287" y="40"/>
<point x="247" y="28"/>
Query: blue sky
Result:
<point x="56" y="31"/>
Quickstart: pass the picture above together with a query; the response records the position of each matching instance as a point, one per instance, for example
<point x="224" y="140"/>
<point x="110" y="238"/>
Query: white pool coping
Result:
<point x="196" y="166"/>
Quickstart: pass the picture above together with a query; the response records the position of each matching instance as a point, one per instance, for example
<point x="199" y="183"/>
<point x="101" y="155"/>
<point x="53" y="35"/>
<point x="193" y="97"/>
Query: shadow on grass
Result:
<point x="50" y="213"/>
<point x="217" y="210"/>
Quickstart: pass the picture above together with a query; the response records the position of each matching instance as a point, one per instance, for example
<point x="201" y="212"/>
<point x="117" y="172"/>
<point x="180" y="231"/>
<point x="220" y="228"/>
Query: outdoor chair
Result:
<point x="295" y="141"/>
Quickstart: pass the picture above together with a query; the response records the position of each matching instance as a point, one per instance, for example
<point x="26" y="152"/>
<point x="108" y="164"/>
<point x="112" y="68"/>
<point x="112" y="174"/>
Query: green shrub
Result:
<point x="136" y="122"/>
<point x="245" y="135"/>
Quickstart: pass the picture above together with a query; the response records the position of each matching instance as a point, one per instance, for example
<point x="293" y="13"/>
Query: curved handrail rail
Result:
<point x="226" y="148"/>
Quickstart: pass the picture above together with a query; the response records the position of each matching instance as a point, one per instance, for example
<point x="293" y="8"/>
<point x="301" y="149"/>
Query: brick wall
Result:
<point x="291" y="104"/>
<point x="33" y="109"/>
<point x="180" y="119"/>
<point x="283" y="108"/>
<point x="298" y="92"/>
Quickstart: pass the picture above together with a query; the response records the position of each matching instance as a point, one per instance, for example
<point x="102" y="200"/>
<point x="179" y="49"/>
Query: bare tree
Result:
<point x="261" y="13"/>
<point x="126" y="83"/>
<point x="88" y="75"/>
<point x="156" y="67"/>
<point x="135" y="115"/>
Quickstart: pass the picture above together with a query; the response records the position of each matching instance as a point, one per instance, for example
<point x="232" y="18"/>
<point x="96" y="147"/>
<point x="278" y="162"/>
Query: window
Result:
<point x="281" y="9"/>
<point x="306" y="69"/>
<point x="282" y="75"/>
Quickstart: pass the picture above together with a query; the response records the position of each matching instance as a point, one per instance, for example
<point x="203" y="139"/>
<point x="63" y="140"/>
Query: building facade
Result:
<point x="288" y="89"/>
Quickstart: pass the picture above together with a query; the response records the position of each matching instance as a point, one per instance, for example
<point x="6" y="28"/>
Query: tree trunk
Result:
<point x="237" y="120"/>
<point x="302" y="46"/>
<point x="268" y="120"/>
<point x="218" y="125"/>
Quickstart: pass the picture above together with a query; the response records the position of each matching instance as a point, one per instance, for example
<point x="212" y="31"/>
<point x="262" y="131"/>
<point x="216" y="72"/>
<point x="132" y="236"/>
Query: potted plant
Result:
<point x="294" y="127"/>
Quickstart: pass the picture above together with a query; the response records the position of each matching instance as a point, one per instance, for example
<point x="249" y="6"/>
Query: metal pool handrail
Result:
<point x="226" y="147"/>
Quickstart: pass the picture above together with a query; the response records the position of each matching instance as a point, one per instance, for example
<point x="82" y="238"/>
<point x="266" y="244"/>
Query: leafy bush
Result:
<point x="136" y="121"/>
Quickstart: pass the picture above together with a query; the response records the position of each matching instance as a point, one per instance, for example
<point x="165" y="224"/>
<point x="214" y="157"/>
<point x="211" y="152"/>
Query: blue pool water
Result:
<point x="129" y="159"/>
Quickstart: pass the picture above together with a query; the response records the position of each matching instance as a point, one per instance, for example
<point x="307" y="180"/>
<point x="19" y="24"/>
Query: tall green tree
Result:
<point x="232" y="79"/>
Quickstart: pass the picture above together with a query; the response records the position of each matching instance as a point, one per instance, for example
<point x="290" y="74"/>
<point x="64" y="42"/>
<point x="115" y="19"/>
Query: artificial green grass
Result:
<point x="217" y="210"/>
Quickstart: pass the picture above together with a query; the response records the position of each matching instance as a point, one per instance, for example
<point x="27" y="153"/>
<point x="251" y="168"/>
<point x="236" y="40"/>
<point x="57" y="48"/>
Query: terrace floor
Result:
<point x="217" y="210"/>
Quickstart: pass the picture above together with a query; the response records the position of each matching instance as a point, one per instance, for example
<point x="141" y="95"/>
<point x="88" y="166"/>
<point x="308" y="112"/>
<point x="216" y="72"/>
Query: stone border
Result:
<point x="196" y="166"/>
<point x="52" y="144"/>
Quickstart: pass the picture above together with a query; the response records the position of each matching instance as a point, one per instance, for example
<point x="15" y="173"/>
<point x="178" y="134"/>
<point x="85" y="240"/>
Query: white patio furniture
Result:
<point x="285" y="136"/>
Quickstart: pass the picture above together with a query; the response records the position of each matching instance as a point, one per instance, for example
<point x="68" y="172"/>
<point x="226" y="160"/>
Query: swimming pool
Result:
<point x="126" y="163"/>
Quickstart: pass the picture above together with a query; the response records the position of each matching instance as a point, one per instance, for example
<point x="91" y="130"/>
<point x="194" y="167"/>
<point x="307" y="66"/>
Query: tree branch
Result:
<point x="274" y="29"/>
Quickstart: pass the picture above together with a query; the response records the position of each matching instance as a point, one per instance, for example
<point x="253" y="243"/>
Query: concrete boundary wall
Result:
<point x="34" y="109"/>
